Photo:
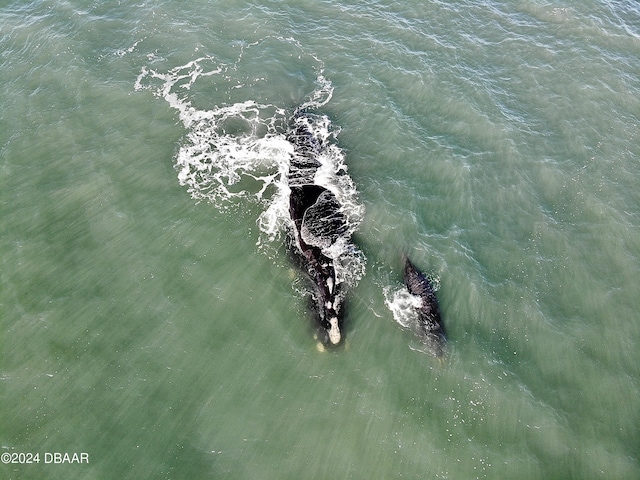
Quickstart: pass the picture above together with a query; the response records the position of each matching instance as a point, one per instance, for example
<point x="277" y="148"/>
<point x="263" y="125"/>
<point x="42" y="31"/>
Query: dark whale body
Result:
<point x="317" y="223"/>
<point x="430" y="328"/>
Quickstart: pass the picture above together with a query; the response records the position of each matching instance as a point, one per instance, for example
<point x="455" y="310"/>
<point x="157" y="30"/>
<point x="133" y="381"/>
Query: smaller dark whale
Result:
<point x="430" y="328"/>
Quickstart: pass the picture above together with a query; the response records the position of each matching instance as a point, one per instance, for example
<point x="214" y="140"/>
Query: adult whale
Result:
<point x="430" y="327"/>
<point x="318" y="222"/>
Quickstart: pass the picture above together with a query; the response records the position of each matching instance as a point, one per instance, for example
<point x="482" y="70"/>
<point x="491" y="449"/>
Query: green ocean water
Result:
<point x="155" y="325"/>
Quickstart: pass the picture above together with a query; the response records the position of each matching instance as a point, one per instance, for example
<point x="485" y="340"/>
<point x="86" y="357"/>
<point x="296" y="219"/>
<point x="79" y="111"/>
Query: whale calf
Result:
<point x="318" y="222"/>
<point x="430" y="327"/>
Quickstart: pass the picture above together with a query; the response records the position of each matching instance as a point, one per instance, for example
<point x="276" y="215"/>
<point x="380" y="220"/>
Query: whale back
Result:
<point x="430" y="324"/>
<point x="318" y="223"/>
<point x="302" y="136"/>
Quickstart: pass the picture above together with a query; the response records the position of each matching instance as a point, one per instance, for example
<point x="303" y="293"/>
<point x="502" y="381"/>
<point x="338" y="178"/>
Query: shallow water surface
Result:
<point x="152" y="318"/>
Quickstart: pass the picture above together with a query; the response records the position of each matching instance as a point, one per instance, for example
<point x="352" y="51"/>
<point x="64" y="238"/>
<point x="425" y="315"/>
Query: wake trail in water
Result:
<point x="238" y="152"/>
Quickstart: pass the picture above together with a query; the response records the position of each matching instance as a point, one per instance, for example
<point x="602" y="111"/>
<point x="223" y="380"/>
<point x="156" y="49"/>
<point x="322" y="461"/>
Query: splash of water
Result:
<point x="238" y="151"/>
<point x="403" y="305"/>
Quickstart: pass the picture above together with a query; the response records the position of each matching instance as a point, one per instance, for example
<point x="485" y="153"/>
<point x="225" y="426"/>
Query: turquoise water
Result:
<point x="152" y="318"/>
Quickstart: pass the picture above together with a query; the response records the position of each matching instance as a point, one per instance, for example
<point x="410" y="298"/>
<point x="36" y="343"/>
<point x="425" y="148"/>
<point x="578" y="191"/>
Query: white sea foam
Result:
<point x="238" y="152"/>
<point x="404" y="308"/>
<point x="403" y="305"/>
